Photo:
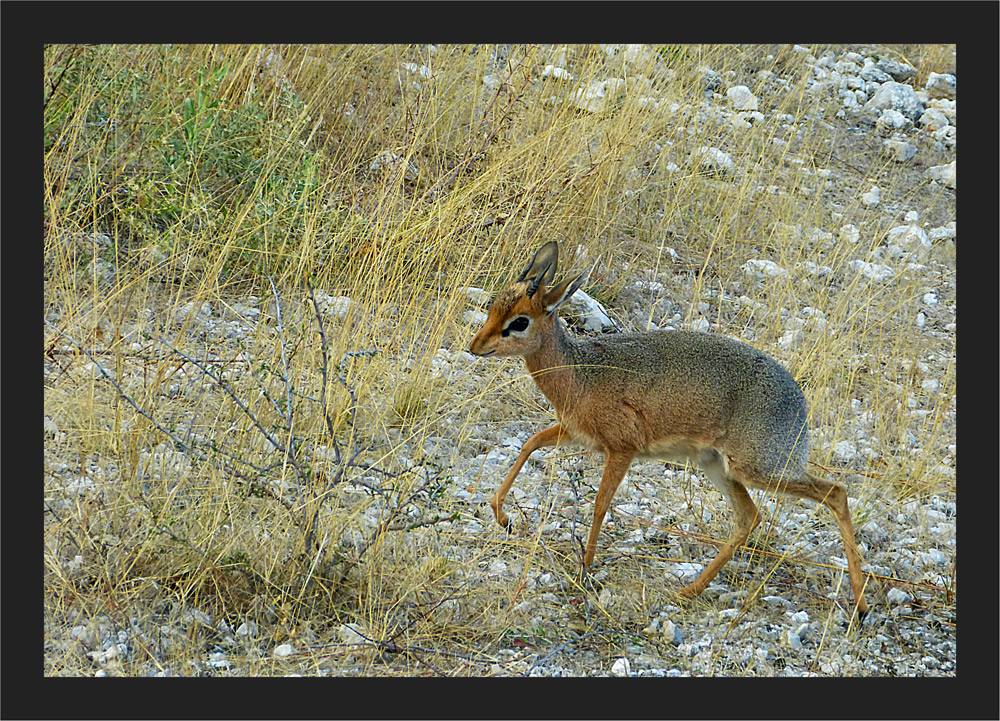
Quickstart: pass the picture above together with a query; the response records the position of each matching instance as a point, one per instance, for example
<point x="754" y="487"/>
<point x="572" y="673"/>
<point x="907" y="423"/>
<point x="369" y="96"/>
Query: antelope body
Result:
<point x="681" y="396"/>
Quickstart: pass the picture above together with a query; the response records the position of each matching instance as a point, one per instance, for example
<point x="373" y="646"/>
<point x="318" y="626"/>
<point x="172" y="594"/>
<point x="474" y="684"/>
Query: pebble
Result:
<point x="944" y="174"/>
<point x="762" y="268"/>
<point x="897" y="596"/>
<point x="336" y="307"/>
<point x="899" y="97"/>
<point x="389" y="162"/>
<point x="872" y="270"/>
<point x="712" y="159"/>
<point x="941" y="85"/>
<point x="621" y="667"/>
<point x="351" y="633"/>
<point x="589" y="314"/>
<point x="872" y="196"/>
<point x="741" y="98"/>
<point x="686" y="572"/>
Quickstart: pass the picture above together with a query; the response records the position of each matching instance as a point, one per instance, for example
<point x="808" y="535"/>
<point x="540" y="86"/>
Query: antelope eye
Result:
<point x="517" y="325"/>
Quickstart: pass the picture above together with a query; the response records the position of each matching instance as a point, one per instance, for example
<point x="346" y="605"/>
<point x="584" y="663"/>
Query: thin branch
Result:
<point x="284" y="359"/>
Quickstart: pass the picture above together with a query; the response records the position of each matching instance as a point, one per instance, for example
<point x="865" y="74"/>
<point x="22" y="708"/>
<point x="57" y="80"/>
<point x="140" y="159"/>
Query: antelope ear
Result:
<point x="562" y="292"/>
<point x="542" y="268"/>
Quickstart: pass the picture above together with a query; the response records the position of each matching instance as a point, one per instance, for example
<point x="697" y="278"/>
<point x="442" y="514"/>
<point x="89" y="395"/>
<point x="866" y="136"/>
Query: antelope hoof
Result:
<point x="688" y="592"/>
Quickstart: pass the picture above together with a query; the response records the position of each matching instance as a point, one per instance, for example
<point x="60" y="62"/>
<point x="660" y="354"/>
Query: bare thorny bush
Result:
<point x="281" y="461"/>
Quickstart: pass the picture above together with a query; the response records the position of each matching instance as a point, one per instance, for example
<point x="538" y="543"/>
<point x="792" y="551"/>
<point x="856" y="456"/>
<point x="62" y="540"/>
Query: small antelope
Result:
<point x="676" y="395"/>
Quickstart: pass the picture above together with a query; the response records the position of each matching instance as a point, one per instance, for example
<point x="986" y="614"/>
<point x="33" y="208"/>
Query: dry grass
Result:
<point x="213" y="171"/>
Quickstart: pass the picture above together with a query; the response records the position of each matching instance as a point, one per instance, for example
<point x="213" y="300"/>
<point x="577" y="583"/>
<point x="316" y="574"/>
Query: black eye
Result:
<point x="517" y="325"/>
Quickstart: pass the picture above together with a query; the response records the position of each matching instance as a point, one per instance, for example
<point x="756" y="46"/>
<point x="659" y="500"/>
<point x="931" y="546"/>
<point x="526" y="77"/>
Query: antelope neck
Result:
<point x="551" y="364"/>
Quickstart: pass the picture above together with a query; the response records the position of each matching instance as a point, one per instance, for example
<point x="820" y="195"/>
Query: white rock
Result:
<point x="947" y="136"/>
<point x="908" y="237"/>
<point x="199" y="312"/>
<point x="741" y="98"/>
<point x="421" y="70"/>
<point x="249" y="629"/>
<point x="849" y="233"/>
<point x="284" y="650"/>
<point x="872" y="270"/>
<point x="872" y="196"/>
<point x="933" y="119"/>
<point x="944" y="232"/>
<point x="944" y="174"/>
<point x="351" y="633"/>
<point x="712" y="159"/>
<point x="590" y="313"/>
<point x="551" y="71"/>
<point x="600" y="95"/>
<point x="896" y="96"/>
<point x="941" y="85"/>
<point x="387" y="161"/>
<point x="761" y="268"/>
<point x="898" y="596"/>
<point x="947" y="107"/>
<point x="686" y="572"/>
<point x="790" y="340"/>
<point x="477" y="295"/>
<point x="337" y="307"/>
<point x="621" y="667"/>
<point x="844" y="451"/>
<point x="891" y="121"/>
<point x="899" y="150"/>
<point x="814" y="269"/>
<point x="474" y="317"/>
